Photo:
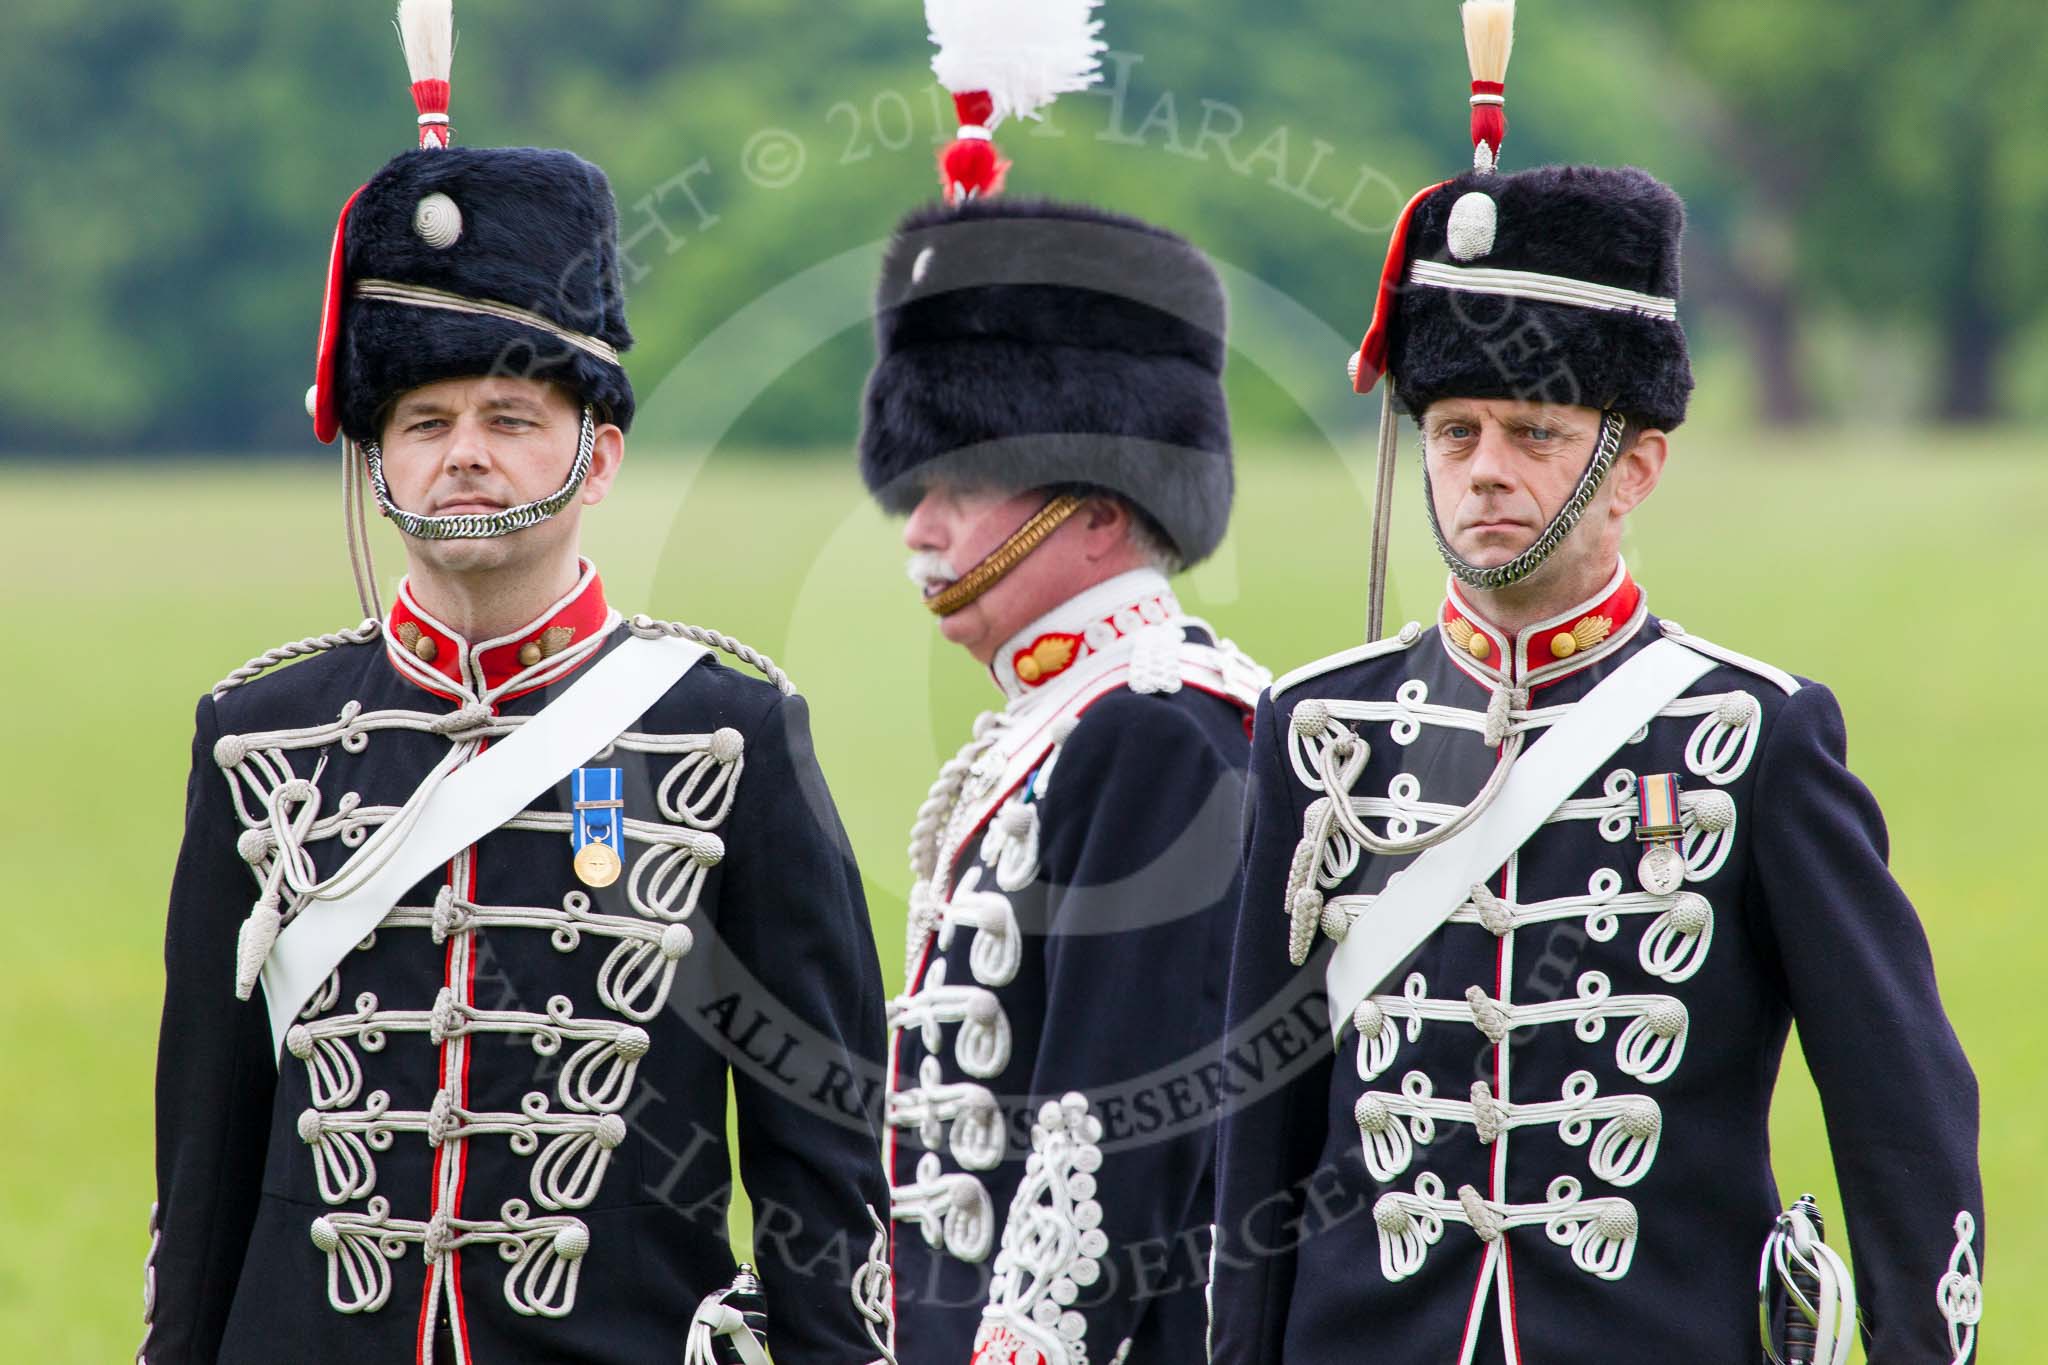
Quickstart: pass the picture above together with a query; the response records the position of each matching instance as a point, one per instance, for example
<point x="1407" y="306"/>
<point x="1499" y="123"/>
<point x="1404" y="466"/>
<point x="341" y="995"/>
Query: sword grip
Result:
<point x="1802" y="1337"/>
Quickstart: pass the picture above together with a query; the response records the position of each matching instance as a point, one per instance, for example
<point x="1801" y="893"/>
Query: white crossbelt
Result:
<point x="475" y="799"/>
<point x="1422" y="896"/>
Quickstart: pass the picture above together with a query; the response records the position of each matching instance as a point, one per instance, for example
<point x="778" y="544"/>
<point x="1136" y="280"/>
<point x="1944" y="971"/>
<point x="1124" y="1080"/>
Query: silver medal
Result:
<point x="1661" y="870"/>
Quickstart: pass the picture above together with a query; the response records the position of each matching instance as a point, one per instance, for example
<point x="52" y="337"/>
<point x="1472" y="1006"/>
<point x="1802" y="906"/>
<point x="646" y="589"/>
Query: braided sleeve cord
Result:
<point x="649" y="628"/>
<point x="297" y="649"/>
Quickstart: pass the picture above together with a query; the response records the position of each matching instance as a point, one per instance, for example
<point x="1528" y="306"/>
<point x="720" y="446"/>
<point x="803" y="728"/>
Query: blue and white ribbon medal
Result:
<point x="594" y="826"/>
<point x="1659" y="827"/>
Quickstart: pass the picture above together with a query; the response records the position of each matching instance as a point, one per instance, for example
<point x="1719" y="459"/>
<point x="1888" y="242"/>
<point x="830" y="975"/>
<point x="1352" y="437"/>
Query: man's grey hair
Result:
<point x="1151" y="541"/>
<point x="1146" y="534"/>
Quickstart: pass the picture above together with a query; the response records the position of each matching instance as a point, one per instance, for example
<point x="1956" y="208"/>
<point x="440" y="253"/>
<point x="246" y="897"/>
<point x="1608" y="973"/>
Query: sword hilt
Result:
<point x="1797" y="1285"/>
<point x="750" y="1299"/>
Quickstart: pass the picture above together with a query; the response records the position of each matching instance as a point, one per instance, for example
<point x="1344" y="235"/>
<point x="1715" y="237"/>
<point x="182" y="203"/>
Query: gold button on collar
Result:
<point x="529" y="654"/>
<point x="418" y="641"/>
<point x="1564" y="644"/>
<point x="1479" y="645"/>
<point x="1027" y="668"/>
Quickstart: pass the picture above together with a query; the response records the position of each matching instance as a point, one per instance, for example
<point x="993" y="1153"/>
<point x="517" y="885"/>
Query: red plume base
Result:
<point x="971" y="167"/>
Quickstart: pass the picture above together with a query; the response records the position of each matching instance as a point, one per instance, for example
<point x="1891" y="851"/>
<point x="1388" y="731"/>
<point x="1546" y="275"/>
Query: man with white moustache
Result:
<point x="1060" y="446"/>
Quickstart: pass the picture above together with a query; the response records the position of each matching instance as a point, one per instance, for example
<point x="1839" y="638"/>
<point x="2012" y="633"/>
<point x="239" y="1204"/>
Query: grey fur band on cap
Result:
<point x="1023" y="344"/>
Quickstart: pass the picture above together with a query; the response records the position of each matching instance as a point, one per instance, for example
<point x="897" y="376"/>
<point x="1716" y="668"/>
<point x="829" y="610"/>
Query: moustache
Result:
<point x="929" y="566"/>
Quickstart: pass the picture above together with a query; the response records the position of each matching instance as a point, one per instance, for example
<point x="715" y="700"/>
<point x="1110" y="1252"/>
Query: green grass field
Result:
<point x="1904" y="572"/>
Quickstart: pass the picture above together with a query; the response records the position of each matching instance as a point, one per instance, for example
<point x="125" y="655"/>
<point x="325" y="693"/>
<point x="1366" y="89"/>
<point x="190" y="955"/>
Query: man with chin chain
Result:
<point x="474" y="899"/>
<point x="1566" y="875"/>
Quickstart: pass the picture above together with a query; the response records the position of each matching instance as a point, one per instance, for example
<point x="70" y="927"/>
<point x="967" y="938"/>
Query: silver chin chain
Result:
<point x="484" y="525"/>
<point x="1561" y="525"/>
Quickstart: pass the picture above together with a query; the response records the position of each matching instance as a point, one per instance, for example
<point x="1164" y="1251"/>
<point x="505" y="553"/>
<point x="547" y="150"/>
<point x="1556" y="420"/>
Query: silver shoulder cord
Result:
<point x="465" y="526"/>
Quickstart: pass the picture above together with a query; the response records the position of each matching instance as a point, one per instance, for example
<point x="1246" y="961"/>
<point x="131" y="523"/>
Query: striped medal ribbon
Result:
<point x="1659" y="827"/>
<point x="594" y="826"/>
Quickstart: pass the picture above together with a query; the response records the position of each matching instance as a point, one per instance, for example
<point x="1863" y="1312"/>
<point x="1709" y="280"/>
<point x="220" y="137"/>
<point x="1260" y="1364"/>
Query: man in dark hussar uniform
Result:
<point x="1567" y="874"/>
<point x="1047" y="410"/>
<point x="481" y="903"/>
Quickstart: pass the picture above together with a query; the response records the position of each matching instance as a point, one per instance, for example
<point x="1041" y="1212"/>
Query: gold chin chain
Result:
<point x="1005" y="557"/>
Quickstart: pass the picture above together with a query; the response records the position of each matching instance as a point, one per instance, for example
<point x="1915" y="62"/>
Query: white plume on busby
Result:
<point x="1001" y="59"/>
<point x="426" y="29"/>
<point x="1489" y="42"/>
<point x="1024" y="55"/>
<point x="1038" y="344"/>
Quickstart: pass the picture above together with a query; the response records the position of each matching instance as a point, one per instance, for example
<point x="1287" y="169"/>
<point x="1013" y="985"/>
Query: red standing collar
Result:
<point x="1551" y="648"/>
<point x="427" y="651"/>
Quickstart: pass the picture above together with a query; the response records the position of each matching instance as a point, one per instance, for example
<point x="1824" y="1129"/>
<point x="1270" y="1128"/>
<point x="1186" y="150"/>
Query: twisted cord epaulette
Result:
<point x="649" y="628"/>
<point x="312" y="644"/>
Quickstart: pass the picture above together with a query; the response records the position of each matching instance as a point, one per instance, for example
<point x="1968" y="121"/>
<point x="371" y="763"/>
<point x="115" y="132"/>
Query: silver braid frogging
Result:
<point x="1567" y="518"/>
<point x="485" y="525"/>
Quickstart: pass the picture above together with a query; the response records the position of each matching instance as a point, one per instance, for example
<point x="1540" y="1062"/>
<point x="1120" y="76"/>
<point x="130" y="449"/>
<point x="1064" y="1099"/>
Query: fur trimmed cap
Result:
<point x="524" y="230"/>
<point x="1022" y="344"/>
<point x="1467" y="332"/>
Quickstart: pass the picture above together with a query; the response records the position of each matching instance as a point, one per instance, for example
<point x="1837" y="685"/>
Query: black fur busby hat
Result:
<point x="1026" y="343"/>
<point x="1022" y="344"/>
<point x="1558" y="284"/>
<point x="531" y="229"/>
<point x="458" y="261"/>
<point x="1609" y="346"/>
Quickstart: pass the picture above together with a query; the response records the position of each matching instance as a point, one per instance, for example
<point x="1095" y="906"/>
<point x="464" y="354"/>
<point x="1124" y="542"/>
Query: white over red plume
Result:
<point x="1025" y="54"/>
<point x="1489" y="39"/>
<point x="426" y="28"/>
<point x="1001" y="58"/>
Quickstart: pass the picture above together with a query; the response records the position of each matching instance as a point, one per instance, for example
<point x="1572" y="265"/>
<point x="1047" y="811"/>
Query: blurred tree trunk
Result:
<point x="1973" y="333"/>
<point x="1761" y="292"/>
<point x="1753" y="271"/>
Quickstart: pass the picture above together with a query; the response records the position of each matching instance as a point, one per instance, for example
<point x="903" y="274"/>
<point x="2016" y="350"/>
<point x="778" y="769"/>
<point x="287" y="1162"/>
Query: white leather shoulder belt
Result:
<point x="475" y="799"/>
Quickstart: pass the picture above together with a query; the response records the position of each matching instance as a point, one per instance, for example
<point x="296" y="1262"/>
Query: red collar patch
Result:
<point x="1046" y="657"/>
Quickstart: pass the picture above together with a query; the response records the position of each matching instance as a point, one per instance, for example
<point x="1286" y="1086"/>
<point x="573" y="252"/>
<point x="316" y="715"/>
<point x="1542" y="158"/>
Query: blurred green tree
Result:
<point x="1882" y="158"/>
<point x="173" y="172"/>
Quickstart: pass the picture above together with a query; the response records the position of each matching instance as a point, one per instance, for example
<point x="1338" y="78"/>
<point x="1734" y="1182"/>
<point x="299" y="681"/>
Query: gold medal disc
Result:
<point x="597" y="865"/>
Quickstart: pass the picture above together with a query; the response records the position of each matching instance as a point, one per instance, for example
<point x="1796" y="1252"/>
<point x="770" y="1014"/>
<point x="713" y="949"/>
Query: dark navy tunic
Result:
<point x="501" y="1128"/>
<point x="1050" y="1133"/>
<point x="1545" y="1136"/>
